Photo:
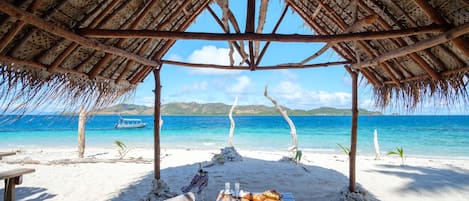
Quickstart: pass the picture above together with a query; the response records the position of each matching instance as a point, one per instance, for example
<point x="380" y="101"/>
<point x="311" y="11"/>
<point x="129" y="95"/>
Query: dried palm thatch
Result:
<point x="47" y="57"/>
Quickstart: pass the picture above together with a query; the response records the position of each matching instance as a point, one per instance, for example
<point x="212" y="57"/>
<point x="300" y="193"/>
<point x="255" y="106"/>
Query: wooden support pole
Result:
<point x="424" y="44"/>
<point x="81" y="132"/>
<point x="156" y="127"/>
<point x="61" y="32"/>
<point x="353" y="141"/>
<point x="174" y="35"/>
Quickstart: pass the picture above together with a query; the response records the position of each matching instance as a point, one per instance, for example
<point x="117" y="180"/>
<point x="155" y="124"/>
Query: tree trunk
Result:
<point x="294" y="146"/>
<point x="81" y="132"/>
<point x="232" y="125"/>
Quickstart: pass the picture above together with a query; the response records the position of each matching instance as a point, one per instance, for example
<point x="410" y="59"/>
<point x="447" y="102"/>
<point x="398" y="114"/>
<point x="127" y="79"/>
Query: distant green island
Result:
<point x="192" y="108"/>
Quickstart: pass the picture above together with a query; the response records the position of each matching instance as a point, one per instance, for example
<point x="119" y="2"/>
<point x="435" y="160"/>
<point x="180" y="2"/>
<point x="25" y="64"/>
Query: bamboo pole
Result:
<point x="353" y="141"/>
<point x="156" y="127"/>
<point x="173" y="35"/>
<point x="424" y="44"/>
<point x="61" y="32"/>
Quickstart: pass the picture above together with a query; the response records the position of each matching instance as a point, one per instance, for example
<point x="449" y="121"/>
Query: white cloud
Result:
<point x="213" y="55"/>
<point x="243" y="82"/>
<point x="175" y="57"/>
<point x="294" y="96"/>
<point x="197" y="86"/>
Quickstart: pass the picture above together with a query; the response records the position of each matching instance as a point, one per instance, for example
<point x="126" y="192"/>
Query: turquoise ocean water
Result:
<point x="418" y="135"/>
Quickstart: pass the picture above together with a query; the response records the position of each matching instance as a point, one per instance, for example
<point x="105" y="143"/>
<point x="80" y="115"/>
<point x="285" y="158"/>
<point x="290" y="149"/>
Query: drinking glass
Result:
<point x="237" y="190"/>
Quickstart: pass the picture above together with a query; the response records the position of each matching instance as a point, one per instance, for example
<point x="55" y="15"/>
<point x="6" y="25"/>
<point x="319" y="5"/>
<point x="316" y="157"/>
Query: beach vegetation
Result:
<point x="400" y="152"/>
<point x="346" y="150"/>
<point x="298" y="156"/>
<point x="121" y="149"/>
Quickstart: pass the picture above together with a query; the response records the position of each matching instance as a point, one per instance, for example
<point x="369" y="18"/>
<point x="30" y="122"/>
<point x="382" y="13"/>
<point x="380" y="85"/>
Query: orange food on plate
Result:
<point x="258" y="197"/>
<point x="272" y="194"/>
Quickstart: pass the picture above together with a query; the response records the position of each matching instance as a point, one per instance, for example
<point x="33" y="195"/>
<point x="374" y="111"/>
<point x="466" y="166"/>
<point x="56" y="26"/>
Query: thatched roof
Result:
<point x="66" y="50"/>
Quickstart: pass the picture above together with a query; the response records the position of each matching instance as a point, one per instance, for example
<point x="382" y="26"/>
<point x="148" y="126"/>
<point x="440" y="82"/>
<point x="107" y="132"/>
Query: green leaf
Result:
<point x="346" y="150"/>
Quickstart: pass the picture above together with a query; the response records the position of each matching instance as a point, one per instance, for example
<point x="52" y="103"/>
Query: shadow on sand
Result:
<point x="254" y="175"/>
<point x="30" y="194"/>
<point x="426" y="179"/>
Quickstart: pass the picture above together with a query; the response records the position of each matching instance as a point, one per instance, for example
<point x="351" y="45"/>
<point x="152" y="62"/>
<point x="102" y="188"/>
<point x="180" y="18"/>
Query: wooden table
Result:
<point x="286" y="196"/>
<point x="12" y="178"/>
<point x="3" y="154"/>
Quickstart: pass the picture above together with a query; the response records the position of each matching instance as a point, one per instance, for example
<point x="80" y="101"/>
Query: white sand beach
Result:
<point x="318" y="177"/>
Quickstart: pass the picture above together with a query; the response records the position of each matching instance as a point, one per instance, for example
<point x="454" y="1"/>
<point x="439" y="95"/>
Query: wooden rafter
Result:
<point x="432" y="13"/>
<point x="321" y="30"/>
<point x="437" y="61"/>
<point x="264" y="49"/>
<point x="99" y="67"/>
<point x="442" y="38"/>
<point x="43" y="67"/>
<point x="17" y="27"/>
<point x="226" y="67"/>
<point x="72" y="47"/>
<point x="251" y="12"/>
<point x="444" y="74"/>
<point x="61" y="32"/>
<point x="173" y="35"/>
<point x="357" y="25"/>
<point x="142" y="49"/>
<point x="364" y="45"/>
<point x="235" y="43"/>
<point x="400" y="42"/>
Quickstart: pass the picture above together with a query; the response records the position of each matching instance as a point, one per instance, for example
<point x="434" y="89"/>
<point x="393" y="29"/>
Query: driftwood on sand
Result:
<point x="294" y="146"/>
<point x="232" y="123"/>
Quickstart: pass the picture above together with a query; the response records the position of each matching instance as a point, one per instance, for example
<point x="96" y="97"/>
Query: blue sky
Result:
<point x="299" y="89"/>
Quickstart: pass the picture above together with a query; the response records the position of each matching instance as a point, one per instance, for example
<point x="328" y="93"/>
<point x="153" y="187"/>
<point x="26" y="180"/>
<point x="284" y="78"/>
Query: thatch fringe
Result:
<point x="450" y="91"/>
<point x="24" y="90"/>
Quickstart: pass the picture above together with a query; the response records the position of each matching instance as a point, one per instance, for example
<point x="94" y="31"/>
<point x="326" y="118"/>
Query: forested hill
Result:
<point x="179" y="108"/>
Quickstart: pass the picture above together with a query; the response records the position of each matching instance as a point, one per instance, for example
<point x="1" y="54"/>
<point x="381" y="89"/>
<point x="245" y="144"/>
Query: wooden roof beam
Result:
<point x="365" y="46"/>
<point x="134" y="25"/>
<point x="432" y="13"/>
<point x="227" y="67"/>
<point x="17" y="27"/>
<point x="44" y="67"/>
<point x="72" y="47"/>
<point x="357" y="25"/>
<point x="109" y="33"/>
<point x="61" y="32"/>
<point x="424" y="44"/>
<point x="320" y="30"/>
<point x="250" y="18"/>
<point x="264" y="49"/>
<point x="444" y="74"/>
<point x="235" y="43"/>
<point x="400" y="42"/>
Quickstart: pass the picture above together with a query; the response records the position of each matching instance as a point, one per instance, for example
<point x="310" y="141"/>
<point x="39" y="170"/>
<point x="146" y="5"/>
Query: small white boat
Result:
<point x="130" y="123"/>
